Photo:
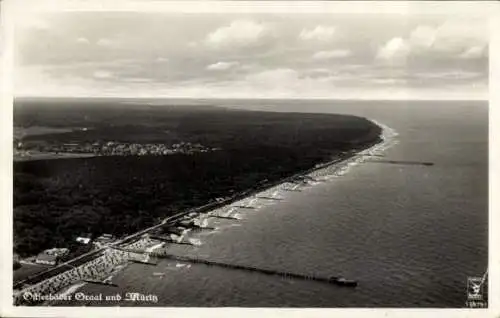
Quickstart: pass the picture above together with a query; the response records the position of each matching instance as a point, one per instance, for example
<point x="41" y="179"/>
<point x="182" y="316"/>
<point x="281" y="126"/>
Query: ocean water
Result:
<point x="409" y="234"/>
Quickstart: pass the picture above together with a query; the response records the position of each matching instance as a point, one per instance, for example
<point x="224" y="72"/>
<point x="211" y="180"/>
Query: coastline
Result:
<point x="50" y="156"/>
<point x="321" y="172"/>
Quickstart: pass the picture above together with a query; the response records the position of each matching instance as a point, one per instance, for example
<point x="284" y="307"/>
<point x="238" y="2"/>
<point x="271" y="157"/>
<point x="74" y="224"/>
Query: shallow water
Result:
<point x="409" y="234"/>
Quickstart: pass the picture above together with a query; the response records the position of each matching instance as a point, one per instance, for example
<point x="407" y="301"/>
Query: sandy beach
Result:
<point x="113" y="261"/>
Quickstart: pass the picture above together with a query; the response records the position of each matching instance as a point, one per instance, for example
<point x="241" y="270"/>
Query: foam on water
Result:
<point x="195" y="241"/>
<point x="409" y="237"/>
<point x="325" y="174"/>
<point x="154" y="247"/>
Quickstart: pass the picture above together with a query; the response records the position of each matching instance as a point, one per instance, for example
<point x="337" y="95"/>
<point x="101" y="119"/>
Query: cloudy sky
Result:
<point x="253" y="55"/>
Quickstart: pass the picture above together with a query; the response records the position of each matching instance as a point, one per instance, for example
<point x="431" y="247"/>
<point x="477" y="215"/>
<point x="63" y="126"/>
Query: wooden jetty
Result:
<point x="292" y="189"/>
<point x="222" y="217"/>
<point x="269" y="198"/>
<point x="202" y="228"/>
<point x="98" y="282"/>
<point x="244" y="206"/>
<point x="168" y="240"/>
<point x="330" y="280"/>
<point x="401" y="162"/>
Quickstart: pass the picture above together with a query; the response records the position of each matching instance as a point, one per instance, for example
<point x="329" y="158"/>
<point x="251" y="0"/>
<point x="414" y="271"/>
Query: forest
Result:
<point x="57" y="200"/>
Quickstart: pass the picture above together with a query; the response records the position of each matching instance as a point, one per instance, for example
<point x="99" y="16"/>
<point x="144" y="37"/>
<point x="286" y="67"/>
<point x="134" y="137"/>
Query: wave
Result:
<point x="325" y="174"/>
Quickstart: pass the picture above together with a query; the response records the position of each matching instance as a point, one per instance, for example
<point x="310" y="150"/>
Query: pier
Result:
<point x="306" y="177"/>
<point x="168" y="240"/>
<point x="92" y="271"/>
<point x="203" y="228"/>
<point x="244" y="207"/>
<point x="104" y="258"/>
<point x="269" y="198"/>
<point x="143" y="262"/>
<point x="330" y="280"/>
<point x="222" y="217"/>
<point x="98" y="282"/>
<point x="402" y="162"/>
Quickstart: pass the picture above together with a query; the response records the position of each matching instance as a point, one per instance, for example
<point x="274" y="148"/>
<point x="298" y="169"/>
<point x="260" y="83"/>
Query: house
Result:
<point x="59" y="252"/>
<point x="51" y="256"/>
<point x="104" y="239"/>
<point x="47" y="259"/>
<point x="186" y="223"/>
<point x="84" y="238"/>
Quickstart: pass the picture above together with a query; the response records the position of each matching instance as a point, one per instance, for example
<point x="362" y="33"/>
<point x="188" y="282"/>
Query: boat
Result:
<point x="342" y="281"/>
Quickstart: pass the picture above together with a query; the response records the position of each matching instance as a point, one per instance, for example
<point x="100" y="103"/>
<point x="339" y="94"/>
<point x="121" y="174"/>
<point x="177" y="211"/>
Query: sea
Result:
<point x="409" y="234"/>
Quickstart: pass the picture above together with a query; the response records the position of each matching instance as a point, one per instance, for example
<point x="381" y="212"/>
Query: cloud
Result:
<point x="221" y="66"/>
<point x="278" y="76"/>
<point x="451" y="39"/>
<point x="450" y="75"/>
<point x="288" y="82"/>
<point x="32" y="23"/>
<point x="138" y="80"/>
<point x="334" y="54"/>
<point x="474" y="52"/>
<point x="102" y="74"/>
<point x="106" y="42"/>
<point x="250" y="54"/>
<point x="274" y="83"/>
<point x="238" y="33"/>
<point x="395" y="49"/>
<point x="423" y="36"/>
<point x="456" y="35"/>
<point x="319" y="33"/>
<point x="82" y="40"/>
<point x="388" y="81"/>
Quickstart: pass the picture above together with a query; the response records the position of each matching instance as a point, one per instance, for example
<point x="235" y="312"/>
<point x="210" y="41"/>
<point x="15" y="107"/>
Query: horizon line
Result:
<point x="246" y="98"/>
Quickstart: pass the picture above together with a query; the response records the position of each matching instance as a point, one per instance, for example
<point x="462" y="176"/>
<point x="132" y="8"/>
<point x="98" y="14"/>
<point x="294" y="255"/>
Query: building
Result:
<point x="47" y="259"/>
<point x="83" y="240"/>
<point x="51" y="256"/>
<point x="186" y="223"/>
<point x="104" y="239"/>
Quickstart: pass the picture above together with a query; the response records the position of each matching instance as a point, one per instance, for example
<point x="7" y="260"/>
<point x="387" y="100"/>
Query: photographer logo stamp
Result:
<point x="475" y="292"/>
<point x="474" y="288"/>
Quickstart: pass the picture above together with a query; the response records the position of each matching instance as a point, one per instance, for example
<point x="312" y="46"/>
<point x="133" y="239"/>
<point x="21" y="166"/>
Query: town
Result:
<point x="109" y="148"/>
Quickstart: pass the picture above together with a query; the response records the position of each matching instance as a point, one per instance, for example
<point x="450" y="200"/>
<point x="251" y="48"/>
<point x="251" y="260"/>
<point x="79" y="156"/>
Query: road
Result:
<point x="77" y="261"/>
<point x="38" y="277"/>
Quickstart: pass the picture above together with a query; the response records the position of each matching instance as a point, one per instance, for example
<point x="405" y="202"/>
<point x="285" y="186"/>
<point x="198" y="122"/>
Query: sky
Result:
<point x="251" y="55"/>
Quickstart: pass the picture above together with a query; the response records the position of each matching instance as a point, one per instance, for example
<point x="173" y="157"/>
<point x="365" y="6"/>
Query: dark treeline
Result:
<point x="57" y="200"/>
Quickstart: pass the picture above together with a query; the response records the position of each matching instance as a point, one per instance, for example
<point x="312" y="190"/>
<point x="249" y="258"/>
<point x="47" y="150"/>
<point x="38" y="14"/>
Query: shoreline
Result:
<point x="385" y="140"/>
<point x="51" y="156"/>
